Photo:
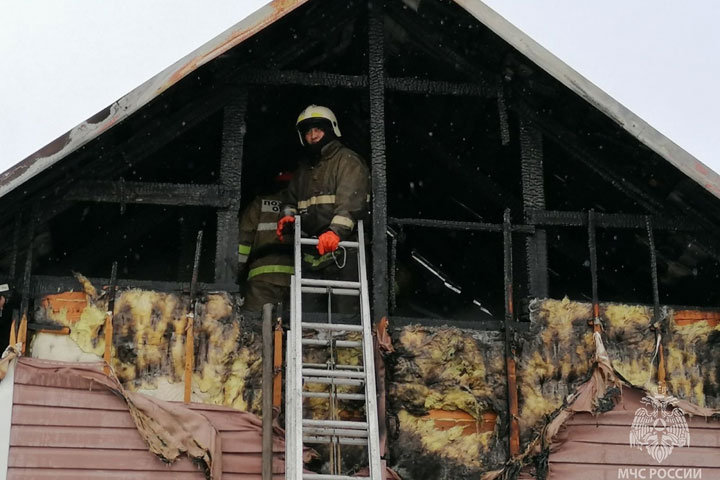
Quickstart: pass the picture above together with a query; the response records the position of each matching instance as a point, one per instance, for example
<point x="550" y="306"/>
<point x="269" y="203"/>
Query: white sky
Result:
<point x="65" y="60"/>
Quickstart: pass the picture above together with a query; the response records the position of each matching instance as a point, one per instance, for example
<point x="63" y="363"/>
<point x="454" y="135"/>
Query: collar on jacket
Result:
<point x="330" y="149"/>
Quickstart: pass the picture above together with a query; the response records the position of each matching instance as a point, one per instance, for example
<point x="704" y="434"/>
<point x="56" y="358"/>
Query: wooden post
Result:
<point x="109" y="319"/>
<point x="277" y="362"/>
<point x="190" y="327"/>
<point x="510" y="370"/>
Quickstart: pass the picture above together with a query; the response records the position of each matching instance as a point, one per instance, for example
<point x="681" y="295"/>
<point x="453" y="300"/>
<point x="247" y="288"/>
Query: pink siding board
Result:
<point x="65" y="426"/>
<point x="93" y="458"/>
<point x="64" y="397"/>
<point x="620" y="435"/>
<point x="76" y="437"/>
<point x="595" y="447"/>
<point x="87" y="474"/>
<point x="601" y="453"/>
<point x="69" y="417"/>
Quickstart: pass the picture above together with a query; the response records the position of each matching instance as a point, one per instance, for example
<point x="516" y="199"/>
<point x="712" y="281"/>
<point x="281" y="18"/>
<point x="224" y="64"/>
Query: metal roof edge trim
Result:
<point x="633" y="124"/>
<point x="140" y="96"/>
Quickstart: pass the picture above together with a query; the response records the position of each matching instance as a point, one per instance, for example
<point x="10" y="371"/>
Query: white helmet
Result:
<point x="316" y="113"/>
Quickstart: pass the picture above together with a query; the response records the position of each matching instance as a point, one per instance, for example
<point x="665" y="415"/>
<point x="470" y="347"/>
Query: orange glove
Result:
<point x="285" y="225"/>
<point x="328" y="242"/>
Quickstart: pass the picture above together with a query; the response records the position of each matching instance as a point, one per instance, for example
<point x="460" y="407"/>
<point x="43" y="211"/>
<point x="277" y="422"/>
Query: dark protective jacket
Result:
<point x="332" y="194"/>
<point x="260" y="253"/>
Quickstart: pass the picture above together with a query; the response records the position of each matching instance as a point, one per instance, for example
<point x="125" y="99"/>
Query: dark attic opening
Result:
<point x="492" y="182"/>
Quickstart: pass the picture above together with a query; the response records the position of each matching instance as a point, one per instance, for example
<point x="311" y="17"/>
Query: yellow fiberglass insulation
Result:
<point x="149" y="345"/>
<point x="692" y="356"/>
<point x="450" y="443"/>
<point x="631" y="342"/>
<point x="443" y="368"/>
<point x="554" y="356"/>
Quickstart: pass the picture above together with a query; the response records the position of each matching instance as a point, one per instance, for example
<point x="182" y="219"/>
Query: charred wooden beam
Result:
<point x="435" y="87"/>
<point x="15" y="244"/>
<point x="592" y="249"/>
<point x="456" y="225"/>
<point x="47" y="284"/>
<point x="357" y="82"/>
<point x="549" y="218"/>
<point x="510" y="367"/>
<point x="653" y="269"/>
<point x="147" y="193"/>
<point x="376" y="84"/>
<point x="234" y="128"/>
<point x="304" y="79"/>
<point x="533" y="186"/>
<point x="489" y="325"/>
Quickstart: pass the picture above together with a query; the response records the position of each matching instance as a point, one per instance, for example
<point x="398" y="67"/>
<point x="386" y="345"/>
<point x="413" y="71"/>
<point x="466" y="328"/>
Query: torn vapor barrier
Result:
<point x="446" y="387"/>
<point x="148" y="352"/>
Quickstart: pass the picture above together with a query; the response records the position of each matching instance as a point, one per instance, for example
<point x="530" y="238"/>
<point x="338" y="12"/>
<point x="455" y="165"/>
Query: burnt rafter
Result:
<point x="440" y="47"/>
<point x="151" y="135"/>
<point x="571" y="143"/>
<point x="147" y="193"/>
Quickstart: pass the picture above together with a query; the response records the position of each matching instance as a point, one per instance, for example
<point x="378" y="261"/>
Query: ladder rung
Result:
<point x="317" y="282"/>
<point x="334" y="381"/>
<point x="339" y="396"/>
<point x="318" y="372"/>
<point x="325" y="365"/>
<point x="332" y="326"/>
<point x="335" y="432"/>
<point x="335" y="291"/>
<point x="341" y="441"/>
<point x="314" y="241"/>
<point x="336" y="343"/>
<point x="308" y="422"/>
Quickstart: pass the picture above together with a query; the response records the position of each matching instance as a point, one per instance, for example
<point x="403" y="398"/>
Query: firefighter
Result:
<point x="330" y="190"/>
<point x="264" y="258"/>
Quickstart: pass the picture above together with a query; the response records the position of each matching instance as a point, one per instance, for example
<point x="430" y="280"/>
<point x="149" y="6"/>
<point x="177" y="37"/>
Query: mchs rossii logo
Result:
<point x="660" y="428"/>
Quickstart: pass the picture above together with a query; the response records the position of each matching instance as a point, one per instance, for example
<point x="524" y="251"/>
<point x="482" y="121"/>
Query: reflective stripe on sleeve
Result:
<point x="244" y="249"/>
<point x="242" y="258"/>
<point x="267" y="226"/>
<point x="316" y="200"/>
<point x="270" y="269"/>
<point x="344" y="221"/>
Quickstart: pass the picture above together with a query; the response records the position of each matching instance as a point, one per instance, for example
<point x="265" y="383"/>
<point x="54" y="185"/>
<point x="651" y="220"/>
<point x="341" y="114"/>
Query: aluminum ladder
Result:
<point x="334" y="432"/>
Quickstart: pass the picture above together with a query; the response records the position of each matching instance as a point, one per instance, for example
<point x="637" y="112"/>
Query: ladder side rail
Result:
<point x="290" y="448"/>
<point x="344" y="243"/>
<point x="298" y="355"/>
<point x="369" y="364"/>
